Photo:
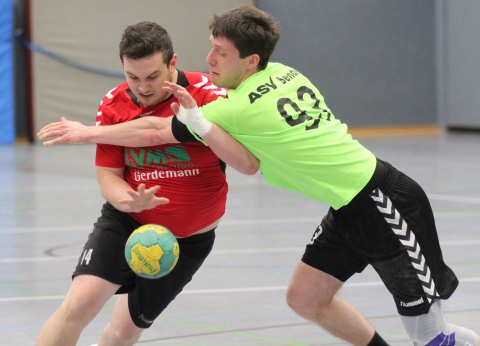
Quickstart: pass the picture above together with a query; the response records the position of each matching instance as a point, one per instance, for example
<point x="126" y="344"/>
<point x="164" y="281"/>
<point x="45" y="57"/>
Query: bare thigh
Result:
<point x="88" y="294"/>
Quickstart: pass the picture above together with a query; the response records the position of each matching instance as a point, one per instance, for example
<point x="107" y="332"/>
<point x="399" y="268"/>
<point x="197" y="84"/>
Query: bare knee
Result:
<point x="86" y="297"/>
<point x="302" y="301"/>
<point x="79" y="306"/>
<point x="310" y="290"/>
<point x="122" y="335"/>
<point x="295" y="300"/>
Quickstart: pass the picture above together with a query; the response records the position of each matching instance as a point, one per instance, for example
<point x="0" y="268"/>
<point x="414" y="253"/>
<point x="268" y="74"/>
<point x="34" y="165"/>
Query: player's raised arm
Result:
<point x="227" y="148"/>
<point x="141" y="132"/>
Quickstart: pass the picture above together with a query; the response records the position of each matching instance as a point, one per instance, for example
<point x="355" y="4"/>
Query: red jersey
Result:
<point x="191" y="176"/>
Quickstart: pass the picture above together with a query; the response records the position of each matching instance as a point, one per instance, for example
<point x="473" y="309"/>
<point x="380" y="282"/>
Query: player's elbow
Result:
<point x="251" y="167"/>
<point x="155" y="137"/>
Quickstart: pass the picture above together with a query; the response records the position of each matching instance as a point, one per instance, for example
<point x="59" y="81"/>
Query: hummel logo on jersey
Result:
<point x="146" y="114"/>
<point x="203" y="84"/>
<point x="408" y="239"/>
<point x="109" y="94"/>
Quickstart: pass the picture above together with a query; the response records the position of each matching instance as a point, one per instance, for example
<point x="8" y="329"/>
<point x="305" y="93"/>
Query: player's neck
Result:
<point x="174" y="76"/>
<point x="173" y="80"/>
<point x="247" y="74"/>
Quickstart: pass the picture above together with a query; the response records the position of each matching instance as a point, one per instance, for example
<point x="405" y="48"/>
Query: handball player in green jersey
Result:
<point x="378" y="215"/>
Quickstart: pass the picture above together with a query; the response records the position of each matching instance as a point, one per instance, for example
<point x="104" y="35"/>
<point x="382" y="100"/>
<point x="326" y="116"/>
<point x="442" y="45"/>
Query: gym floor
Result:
<point x="49" y="199"/>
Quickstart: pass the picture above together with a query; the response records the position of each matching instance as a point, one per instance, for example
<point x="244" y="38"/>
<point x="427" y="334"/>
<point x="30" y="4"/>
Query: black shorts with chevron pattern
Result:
<point x="389" y="225"/>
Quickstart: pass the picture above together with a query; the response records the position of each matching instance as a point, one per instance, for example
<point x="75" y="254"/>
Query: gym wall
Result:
<point x="372" y="60"/>
<point x="89" y="32"/>
<point x="459" y="67"/>
<point x="378" y="63"/>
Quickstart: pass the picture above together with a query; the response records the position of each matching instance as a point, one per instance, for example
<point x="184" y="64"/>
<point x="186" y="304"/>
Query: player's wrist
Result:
<point x="89" y="134"/>
<point x="193" y="118"/>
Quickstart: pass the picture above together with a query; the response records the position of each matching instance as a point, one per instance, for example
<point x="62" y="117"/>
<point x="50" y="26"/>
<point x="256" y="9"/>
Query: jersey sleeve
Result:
<point x="108" y="155"/>
<point x="212" y="112"/>
<point x="181" y="132"/>
<point x="204" y="92"/>
<point x="213" y="94"/>
<point x="222" y="113"/>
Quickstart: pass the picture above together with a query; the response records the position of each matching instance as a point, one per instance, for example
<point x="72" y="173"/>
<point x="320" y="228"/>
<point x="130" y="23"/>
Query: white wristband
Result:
<point x="193" y="118"/>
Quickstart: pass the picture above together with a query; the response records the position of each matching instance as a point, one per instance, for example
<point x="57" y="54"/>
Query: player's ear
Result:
<point x="253" y="61"/>
<point x="173" y="62"/>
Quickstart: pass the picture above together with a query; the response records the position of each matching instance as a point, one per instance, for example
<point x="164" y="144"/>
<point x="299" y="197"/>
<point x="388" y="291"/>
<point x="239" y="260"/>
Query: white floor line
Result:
<point x="217" y="252"/>
<point x="226" y="222"/>
<point x="461" y="199"/>
<point x="228" y="290"/>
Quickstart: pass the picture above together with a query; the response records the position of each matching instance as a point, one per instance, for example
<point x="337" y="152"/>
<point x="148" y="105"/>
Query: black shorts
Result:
<point x="389" y="225"/>
<point x="104" y="256"/>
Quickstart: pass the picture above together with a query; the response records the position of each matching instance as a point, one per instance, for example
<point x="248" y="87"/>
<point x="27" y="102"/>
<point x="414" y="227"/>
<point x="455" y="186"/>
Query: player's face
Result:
<point x="227" y="69"/>
<point x="145" y="77"/>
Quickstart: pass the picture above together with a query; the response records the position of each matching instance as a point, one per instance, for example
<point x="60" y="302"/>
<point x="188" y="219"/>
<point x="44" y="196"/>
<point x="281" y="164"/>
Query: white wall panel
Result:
<point x="89" y="31"/>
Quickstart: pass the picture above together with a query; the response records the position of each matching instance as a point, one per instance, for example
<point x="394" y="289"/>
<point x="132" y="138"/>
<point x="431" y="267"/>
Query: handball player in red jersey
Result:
<point x="180" y="185"/>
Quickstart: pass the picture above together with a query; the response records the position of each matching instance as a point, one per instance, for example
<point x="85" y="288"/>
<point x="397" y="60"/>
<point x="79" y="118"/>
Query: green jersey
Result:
<point x="281" y="117"/>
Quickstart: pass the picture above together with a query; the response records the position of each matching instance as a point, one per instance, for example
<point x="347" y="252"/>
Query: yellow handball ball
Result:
<point x="152" y="251"/>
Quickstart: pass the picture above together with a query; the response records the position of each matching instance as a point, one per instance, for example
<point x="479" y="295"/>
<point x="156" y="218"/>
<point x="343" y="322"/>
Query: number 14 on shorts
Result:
<point x="86" y="256"/>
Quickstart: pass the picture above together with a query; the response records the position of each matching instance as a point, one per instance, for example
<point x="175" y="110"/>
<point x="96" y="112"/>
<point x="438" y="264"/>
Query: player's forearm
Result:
<point x="137" y="133"/>
<point x="119" y="134"/>
<point x="230" y="151"/>
<point x="113" y="188"/>
<point x="146" y="131"/>
<point x="115" y="192"/>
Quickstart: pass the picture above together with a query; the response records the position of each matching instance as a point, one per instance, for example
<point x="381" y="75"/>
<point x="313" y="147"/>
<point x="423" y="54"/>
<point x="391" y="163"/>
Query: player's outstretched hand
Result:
<point x="66" y="131"/>
<point x="188" y="113"/>
<point x="186" y="100"/>
<point x="143" y="199"/>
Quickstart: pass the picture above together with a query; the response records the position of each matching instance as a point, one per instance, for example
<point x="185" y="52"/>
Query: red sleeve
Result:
<point x="108" y="155"/>
<point x="204" y="91"/>
<point x="211" y="96"/>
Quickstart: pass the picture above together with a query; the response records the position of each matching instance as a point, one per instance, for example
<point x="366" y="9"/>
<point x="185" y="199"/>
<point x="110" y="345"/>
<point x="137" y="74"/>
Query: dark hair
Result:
<point x="251" y="30"/>
<point x="145" y="39"/>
